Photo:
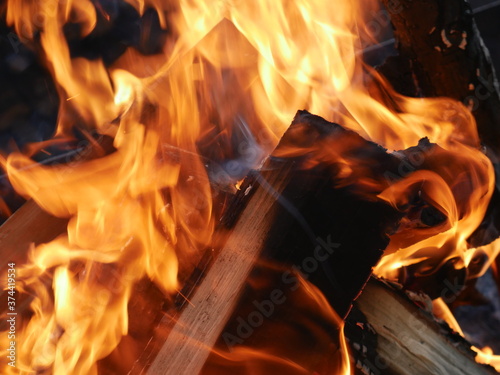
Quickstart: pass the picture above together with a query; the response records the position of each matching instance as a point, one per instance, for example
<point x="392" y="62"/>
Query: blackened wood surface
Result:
<point x="449" y="58"/>
<point x="313" y="201"/>
<point x="330" y="229"/>
<point x="442" y="50"/>
<point x="330" y="209"/>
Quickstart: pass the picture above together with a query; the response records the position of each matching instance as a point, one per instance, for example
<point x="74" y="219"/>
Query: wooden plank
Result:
<point x="190" y="342"/>
<point x="28" y="225"/>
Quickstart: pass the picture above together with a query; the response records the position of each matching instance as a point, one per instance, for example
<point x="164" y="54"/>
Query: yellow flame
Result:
<point x="316" y="345"/>
<point x="484" y="355"/>
<point x="146" y="209"/>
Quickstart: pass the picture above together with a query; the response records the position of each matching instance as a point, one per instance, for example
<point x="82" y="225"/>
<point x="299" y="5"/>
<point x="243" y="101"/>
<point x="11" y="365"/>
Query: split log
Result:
<point x="316" y="202"/>
<point x="441" y="53"/>
<point x="28" y="226"/>
<point x="391" y="334"/>
<point x="302" y="208"/>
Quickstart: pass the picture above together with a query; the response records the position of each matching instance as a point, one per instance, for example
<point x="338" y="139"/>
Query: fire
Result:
<point x="462" y="199"/>
<point x="315" y="346"/>
<point x="484" y="355"/>
<point x="229" y="70"/>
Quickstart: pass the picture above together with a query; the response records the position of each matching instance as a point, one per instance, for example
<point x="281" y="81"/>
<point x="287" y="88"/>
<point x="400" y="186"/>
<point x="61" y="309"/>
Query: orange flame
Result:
<point x="146" y="209"/>
<point x="315" y="345"/>
<point x="484" y="355"/>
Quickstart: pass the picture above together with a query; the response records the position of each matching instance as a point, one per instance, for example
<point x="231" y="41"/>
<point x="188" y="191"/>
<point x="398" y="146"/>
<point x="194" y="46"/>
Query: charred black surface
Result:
<point x="329" y="229"/>
<point x="440" y="42"/>
<point x="442" y="54"/>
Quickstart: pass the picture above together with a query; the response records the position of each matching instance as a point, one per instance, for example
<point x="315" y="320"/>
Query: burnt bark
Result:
<point x="442" y="44"/>
<point x="441" y="47"/>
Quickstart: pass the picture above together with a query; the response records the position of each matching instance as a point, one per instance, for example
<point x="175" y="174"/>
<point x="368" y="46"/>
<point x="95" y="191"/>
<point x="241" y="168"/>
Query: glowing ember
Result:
<point x="227" y="68"/>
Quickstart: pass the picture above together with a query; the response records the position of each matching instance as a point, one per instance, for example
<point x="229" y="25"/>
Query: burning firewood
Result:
<point x="307" y="227"/>
<point x="305" y="209"/>
<point x="442" y="50"/>
<point x="303" y="201"/>
<point x="305" y="206"/>
<point x="409" y="340"/>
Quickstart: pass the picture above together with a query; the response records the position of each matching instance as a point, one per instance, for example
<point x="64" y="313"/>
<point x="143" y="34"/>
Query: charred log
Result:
<point x="301" y="210"/>
<point x="443" y="48"/>
<point x="441" y="53"/>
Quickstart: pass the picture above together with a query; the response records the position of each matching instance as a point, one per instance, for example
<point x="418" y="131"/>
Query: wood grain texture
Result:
<point x="410" y="340"/>
<point x="198" y="327"/>
<point x="285" y="212"/>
